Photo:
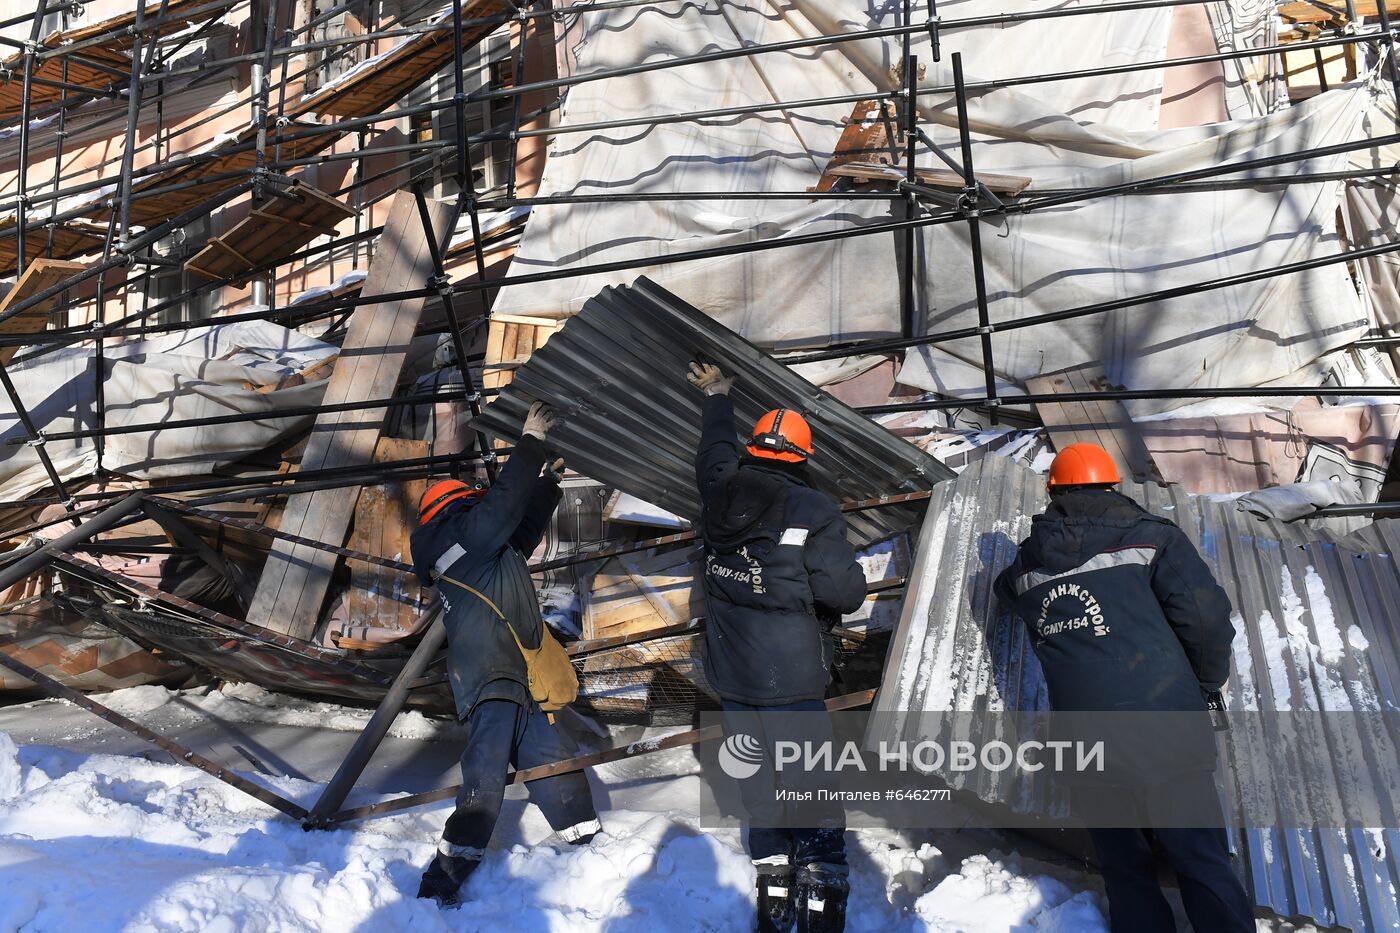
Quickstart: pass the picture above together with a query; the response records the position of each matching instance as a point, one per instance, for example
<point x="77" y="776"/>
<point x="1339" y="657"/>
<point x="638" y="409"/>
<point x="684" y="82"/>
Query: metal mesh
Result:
<point x="663" y="681"/>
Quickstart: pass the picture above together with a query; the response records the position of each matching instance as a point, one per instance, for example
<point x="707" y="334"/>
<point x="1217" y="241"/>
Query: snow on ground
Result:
<point x="101" y="842"/>
<point x="247" y="703"/>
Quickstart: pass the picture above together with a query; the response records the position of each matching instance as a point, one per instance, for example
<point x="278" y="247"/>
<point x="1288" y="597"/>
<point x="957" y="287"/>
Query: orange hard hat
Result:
<point x="442" y="492"/>
<point x="782" y="434"/>
<point x="1083" y="465"/>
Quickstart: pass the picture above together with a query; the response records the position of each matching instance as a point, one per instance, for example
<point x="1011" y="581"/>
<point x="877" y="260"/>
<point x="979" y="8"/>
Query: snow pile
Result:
<point x="10" y="784"/>
<point x="996" y="896"/>
<point x="104" y="843"/>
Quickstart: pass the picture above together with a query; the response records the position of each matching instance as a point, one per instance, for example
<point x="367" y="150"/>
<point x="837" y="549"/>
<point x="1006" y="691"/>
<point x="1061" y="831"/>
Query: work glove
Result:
<point x="539" y="420"/>
<point x="555" y="471"/>
<point x="708" y="378"/>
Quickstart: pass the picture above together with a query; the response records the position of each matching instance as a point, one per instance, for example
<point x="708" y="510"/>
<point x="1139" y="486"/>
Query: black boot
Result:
<point x="443" y="879"/>
<point x="775" y="895"/>
<point x="821" y="892"/>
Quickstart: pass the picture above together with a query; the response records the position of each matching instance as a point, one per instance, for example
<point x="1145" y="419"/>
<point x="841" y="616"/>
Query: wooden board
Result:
<point x="74" y="238"/>
<point x="933" y="177"/>
<point x="1304" y="12"/>
<point x="669" y="580"/>
<point x="861" y="141"/>
<point x="616" y="605"/>
<point x="295" y="579"/>
<point x="1104" y="423"/>
<point x="102" y="66"/>
<point x="41" y="274"/>
<point x="510" y="339"/>
<point x="272" y="231"/>
<point x="385" y="517"/>
<point x="364" y="94"/>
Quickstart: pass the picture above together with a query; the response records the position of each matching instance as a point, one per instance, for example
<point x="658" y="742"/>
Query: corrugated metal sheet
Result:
<point x="1318" y="616"/>
<point x="615" y="374"/>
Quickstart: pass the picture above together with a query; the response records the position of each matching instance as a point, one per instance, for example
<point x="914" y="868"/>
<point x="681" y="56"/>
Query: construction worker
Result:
<point x="1125" y="616"/>
<point x="481" y="538"/>
<point x="779" y="574"/>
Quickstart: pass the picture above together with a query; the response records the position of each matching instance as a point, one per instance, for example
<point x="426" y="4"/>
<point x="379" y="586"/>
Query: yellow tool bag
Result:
<point x="553" y="681"/>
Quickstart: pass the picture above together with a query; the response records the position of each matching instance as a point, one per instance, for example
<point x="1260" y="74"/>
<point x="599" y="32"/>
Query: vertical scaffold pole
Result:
<point x="970" y="201"/>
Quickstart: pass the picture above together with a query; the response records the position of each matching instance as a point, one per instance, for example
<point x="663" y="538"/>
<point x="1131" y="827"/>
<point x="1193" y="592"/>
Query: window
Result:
<point x="166" y="282"/>
<point x="490" y="162"/>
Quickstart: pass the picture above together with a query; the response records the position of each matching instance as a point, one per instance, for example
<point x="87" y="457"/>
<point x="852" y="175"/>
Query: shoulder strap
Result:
<point x="487" y="600"/>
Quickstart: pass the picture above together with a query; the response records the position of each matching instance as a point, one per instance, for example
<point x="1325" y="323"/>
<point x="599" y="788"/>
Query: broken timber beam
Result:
<point x="296" y="578"/>
<point x="1104" y="423"/>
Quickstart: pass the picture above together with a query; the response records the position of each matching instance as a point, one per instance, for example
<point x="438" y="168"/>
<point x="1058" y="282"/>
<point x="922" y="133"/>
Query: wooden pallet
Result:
<point x="1105" y="423"/>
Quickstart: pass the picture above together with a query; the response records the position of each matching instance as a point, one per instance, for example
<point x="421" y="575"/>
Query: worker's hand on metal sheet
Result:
<point x="539" y="420"/>
<point x="709" y="378"/>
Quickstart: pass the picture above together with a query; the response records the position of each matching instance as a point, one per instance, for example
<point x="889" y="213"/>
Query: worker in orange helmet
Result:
<point x="779" y="574"/>
<point x="472" y="543"/>
<point x="1126" y="617"/>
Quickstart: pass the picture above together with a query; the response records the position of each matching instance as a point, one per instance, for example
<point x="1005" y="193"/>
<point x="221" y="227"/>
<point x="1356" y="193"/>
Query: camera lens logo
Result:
<point x="740" y="756"/>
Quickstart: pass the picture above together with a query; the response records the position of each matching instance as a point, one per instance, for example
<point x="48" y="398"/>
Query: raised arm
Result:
<point x="718" y="455"/>
<point x="500" y="513"/>
<point x="544" y="498"/>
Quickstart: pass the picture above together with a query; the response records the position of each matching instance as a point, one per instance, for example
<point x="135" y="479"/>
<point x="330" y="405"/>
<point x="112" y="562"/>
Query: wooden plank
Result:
<point x="934" y="177"/>
<point x="1305" y="12"/>
<point x="617" y="606"/>
<point x="669" y="581"/>
<point x="39" y="275"/>
<point x="385" y="516"/>
<point x="1105" y="423"/>
<point x="296" y="578"/>
<point x="277" y="229"/>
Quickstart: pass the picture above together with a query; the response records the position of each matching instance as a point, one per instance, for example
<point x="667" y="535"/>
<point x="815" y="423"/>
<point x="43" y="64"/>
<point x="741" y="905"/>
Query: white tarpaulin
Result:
<point x="846" y="289"/>
<point x="200" y="373"/>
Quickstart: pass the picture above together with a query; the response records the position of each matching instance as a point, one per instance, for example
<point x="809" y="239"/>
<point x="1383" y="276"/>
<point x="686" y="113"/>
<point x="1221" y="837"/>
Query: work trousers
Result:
<point x="770" y="832"/>
<point x="1211" y="892"/>
<point x="501" y="733"/>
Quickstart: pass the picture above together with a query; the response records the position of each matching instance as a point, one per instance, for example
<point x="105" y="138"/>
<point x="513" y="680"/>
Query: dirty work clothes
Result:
<point x="1124" y="613"/>
<point x="768" y="819"/>
<point x="1214" y="898"/>
<point x="501" y="734"/>
<point x="485" y="546"/>
<point x="779" y="572"/>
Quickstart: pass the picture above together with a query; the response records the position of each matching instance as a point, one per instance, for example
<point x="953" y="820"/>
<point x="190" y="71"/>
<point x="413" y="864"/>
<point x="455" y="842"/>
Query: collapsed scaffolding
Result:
<point x="118" y="219"/>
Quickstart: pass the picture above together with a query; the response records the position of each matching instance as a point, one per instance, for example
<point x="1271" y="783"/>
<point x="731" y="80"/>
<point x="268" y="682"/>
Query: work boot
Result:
<point x="775" y="903"/>
<point x="821" y="892"/>
<point x="443" y="879"/>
